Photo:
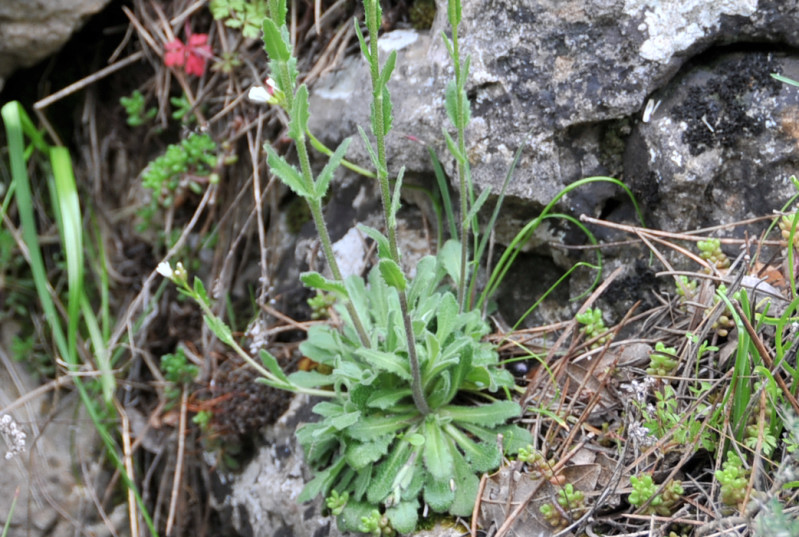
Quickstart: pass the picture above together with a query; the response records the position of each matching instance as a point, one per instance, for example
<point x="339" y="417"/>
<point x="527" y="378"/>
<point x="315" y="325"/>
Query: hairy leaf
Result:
<point x="392" y="274"/>
<point x="299" y="114"/>
<point x="495" y="413"/>
<point x="361" y="454"/>
<point x="326" y="175"/>
<point x="314" y="280"/>
<point x="273" y="42"/>
<point x="439" y="493"/>
<point x="386" y="361"/>
<point x="437" y="450"/>
<point x="404" y="516"/>
<point x="287" y="173"/>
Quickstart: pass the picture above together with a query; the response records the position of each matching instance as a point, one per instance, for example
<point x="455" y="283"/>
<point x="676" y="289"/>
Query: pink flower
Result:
<point x="191" y="57"/>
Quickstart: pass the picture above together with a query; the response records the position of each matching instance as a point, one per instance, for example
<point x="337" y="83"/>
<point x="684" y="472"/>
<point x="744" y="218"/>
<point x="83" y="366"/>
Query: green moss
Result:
<point x="422" y="14"/>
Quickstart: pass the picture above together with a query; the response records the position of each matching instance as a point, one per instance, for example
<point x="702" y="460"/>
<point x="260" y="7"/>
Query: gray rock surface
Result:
<point x="59" y="440"/>
<point x="31" y="30"/>
<point x="576" y="75"/>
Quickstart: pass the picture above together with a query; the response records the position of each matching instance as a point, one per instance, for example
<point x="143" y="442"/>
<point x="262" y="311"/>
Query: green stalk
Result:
<point x="462" y="168"/>
<point x="373" y="20"/>
<point x="315" y="203"/>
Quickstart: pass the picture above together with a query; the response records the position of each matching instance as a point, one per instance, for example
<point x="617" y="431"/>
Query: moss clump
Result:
<point x="422" y="13"/>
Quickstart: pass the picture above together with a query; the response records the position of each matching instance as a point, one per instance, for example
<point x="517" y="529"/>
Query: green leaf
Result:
<point x="362" y="42"/>
<point x="323" y="481"/>
<point x="299" y="115"/>
<point x="387" y="398"/>
<point x="396" y="198"/>
<point x="359" y="454"/>
<point x="404" y="516"/>
<point x="310" y="379"/>
<point x="219" y="328"/>
<point x="274" y="44"/>
<point x="478" y="204"/>
<point x="287" y="173"/>
<point x="392" y="274"/>
<point x="454" y="13"/>
<point x="514" y="438"/>
<point x="315" y="280"/>
<point x="450" y="258"/>
<point x="372" y="427"/>
<point x="388" y="118"/>
<point x="466" y="486"/>
<point x="438" y="493"/>
<point x="383" y="249"/>
<point x="451" y="103"/>
<point x="496" y="413"/>
<point x="277" y="11"/>
<point x="324" y="178"/>
<point x="370" y="149"/>
<point x="388" y="68"/>
<point x="345" y="420"/>
<point x="483" y="457"/>
<point x="270" y="362"/>
<point x="447" y="316"/>
<point x="437" y="450"/>
<point x="386" y="361"/>
<point x="385" y="474"/>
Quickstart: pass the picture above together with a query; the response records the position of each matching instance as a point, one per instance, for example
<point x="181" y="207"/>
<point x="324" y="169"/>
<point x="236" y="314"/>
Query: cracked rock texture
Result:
<point x="567" y="80"/>
<point x="31" y="30"/>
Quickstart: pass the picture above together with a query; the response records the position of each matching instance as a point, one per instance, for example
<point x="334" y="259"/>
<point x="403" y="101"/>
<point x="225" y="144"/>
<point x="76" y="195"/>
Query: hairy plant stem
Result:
<point x="315" y="204"/>
<point x="373" y="24"/>
<point x="327" y="246"/>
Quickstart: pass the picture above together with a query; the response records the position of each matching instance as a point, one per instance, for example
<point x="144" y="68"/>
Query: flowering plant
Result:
<point x="192" y="56"/>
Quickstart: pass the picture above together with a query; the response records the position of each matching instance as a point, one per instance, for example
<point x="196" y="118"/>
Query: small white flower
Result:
<point x="13" y="435"/>
<point x="165" y="270"/>
<point x="268" y="94"/>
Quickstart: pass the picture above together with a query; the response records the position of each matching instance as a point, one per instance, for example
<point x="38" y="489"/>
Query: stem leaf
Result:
<point x="273" y="42"/>
<point x="270" y="362"/>
<point x="392" y="274"/>
<point x="299" y="115"/>
<point x="324" y="178"/>
<point x="287" y="173"/>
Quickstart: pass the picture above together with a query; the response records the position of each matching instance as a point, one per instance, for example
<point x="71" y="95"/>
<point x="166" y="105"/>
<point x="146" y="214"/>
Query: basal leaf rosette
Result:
<point x="371" y="442"/>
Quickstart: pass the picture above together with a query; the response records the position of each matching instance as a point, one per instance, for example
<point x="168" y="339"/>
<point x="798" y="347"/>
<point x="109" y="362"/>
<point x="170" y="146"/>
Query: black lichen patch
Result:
<point x="719" y="113"/>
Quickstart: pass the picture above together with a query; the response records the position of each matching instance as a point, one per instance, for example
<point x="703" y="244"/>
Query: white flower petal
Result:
<point x="165" y="270"/>
<point x="258" y="94"/>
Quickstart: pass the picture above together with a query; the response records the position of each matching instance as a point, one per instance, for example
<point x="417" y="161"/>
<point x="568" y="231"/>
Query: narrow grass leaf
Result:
<point x="443" y="188"/>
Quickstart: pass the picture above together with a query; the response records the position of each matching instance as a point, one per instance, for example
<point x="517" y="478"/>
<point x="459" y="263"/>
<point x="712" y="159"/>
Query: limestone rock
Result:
<point x="31" y="30"/>
<point x="574" y="75"/>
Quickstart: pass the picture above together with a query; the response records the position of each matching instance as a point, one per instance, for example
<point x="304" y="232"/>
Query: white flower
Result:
<point x="13" y="435"/>
<point x="268" y="94"/>
<point x="165" y="270"/>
